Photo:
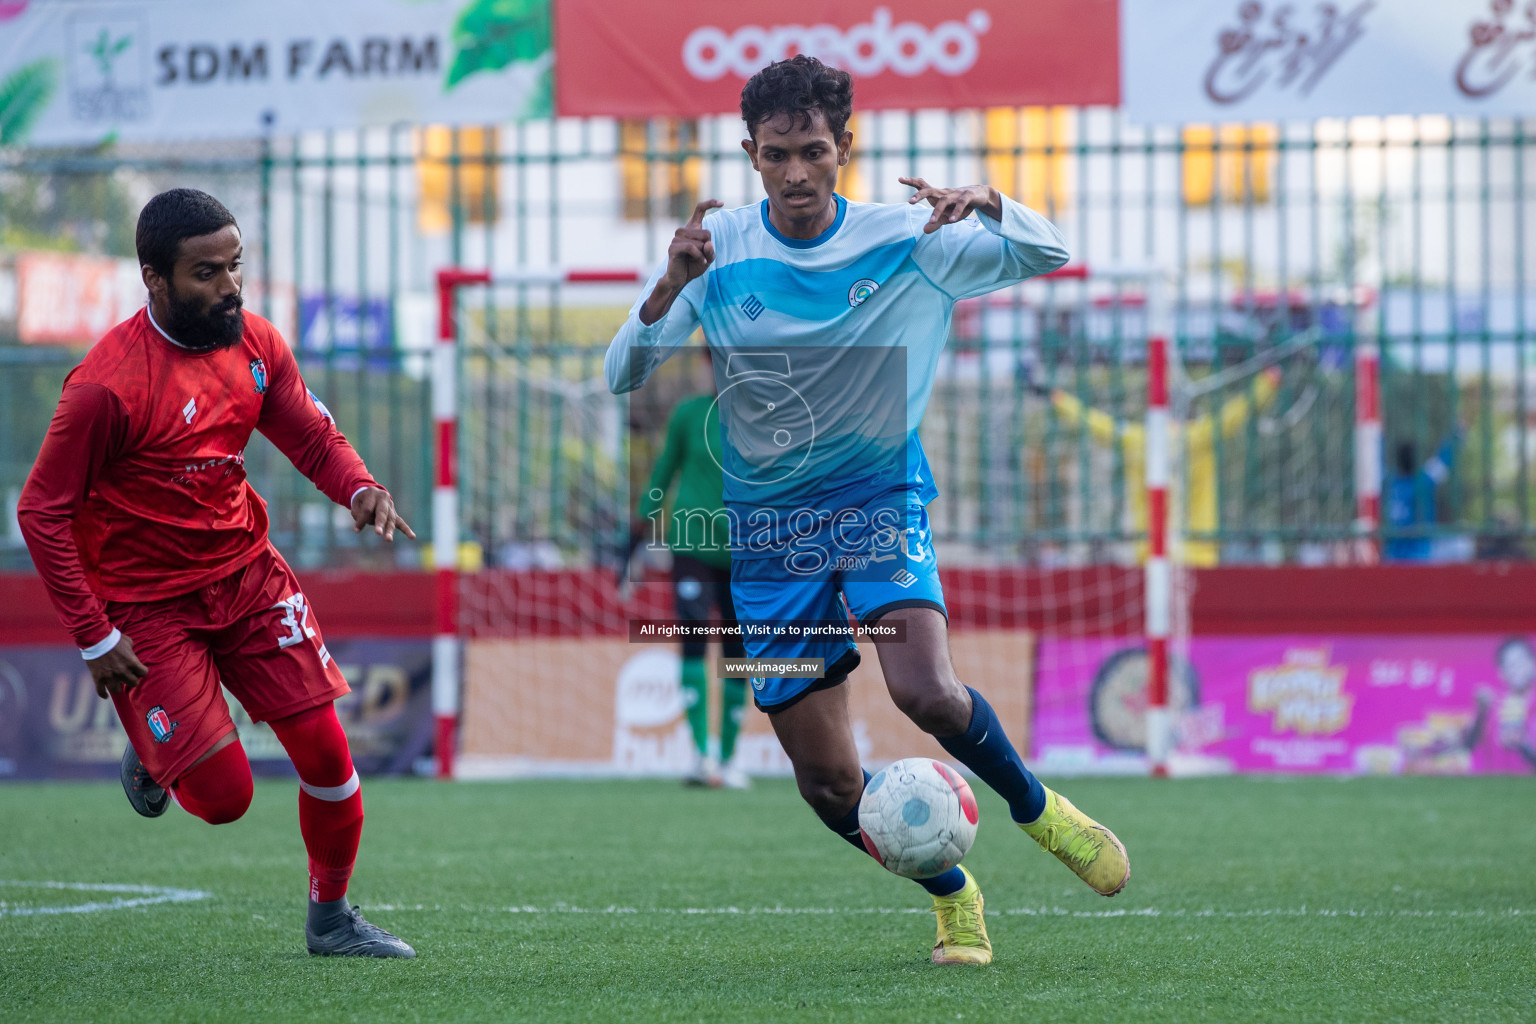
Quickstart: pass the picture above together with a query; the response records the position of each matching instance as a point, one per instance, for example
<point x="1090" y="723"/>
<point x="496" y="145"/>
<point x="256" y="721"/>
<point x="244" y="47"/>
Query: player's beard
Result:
<point x="204" y="329"/>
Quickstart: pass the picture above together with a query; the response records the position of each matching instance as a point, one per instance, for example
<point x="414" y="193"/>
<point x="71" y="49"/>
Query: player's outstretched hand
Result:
<point x="375" y="506"/>
<point x="951" y="205"/>
<point x="692" y="250"/>
<point x="689" y="255"/>
<point x="117" y="670"/>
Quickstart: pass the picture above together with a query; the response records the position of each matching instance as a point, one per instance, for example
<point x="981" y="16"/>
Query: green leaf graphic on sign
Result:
<point x="491" y="34"/>
<point x="541" y="100"/>
<point x="106" y="50"/>
<point x="23" y="95"/>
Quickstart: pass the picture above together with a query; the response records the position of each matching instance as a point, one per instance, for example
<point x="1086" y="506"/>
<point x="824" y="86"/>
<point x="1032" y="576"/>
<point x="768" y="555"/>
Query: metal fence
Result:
<point x="1403" y="234"/>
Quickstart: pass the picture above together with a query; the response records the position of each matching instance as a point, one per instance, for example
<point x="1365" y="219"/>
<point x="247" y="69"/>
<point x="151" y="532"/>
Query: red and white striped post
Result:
<point x="1158" y="574"/>
<point x="1367" y="452"/>
<point x="1159" y="577"/>
<point x="445" y="516"/>
<point x="445" y="491"/>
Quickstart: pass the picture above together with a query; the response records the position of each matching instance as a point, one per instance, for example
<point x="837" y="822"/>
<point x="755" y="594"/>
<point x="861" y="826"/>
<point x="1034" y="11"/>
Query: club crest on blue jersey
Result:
<point x="862" y="289"/>
<point x="259" y="374"/>
<point x="753" y="307"/>
<point x="160" y="723"/>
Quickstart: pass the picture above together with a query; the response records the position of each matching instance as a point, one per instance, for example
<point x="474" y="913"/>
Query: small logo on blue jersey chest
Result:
<point x="753" y="306"/>
<point x="862" y="289"/>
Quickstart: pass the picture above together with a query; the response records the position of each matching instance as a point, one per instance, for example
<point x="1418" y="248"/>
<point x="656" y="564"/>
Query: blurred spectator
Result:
<point x="1412" y="498"/>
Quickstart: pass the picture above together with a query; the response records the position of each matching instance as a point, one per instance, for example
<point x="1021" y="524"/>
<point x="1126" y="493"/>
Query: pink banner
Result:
<point x="1443" y="705"/>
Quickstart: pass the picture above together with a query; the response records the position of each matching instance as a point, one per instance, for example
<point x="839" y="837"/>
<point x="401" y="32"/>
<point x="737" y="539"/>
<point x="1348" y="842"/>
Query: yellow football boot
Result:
<point x="962" y="932"/>
<point x="1082" y="844"/>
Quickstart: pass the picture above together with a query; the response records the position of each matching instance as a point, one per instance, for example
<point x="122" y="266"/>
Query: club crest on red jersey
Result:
<point x="160" y="723"/>
<point x="259" y="372"/>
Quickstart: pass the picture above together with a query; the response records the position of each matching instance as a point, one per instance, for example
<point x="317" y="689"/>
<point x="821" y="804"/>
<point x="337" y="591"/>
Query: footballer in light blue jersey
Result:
<point x="826" y="319"/>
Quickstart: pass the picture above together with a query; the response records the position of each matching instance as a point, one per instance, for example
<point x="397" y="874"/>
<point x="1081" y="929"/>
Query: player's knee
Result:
<point x="229" y="806"/>
<point x="218" y="790"/>
<point x="831" y="792"/>
<point x="937" y="710"/>
<point x="317" y="745"/>
<point x="326" y="765"/>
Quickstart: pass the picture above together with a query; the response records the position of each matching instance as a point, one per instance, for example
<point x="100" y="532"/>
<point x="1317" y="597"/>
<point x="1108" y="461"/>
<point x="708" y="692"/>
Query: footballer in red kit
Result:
<point x="154" y="550"/>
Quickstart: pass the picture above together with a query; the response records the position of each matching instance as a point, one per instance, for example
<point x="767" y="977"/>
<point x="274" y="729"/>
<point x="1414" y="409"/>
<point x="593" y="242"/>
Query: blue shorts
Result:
<point x="866" y="583"/>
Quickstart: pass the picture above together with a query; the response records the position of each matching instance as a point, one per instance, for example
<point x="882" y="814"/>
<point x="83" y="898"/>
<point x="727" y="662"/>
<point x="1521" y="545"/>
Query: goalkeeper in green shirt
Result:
<point x="699" y="537"/>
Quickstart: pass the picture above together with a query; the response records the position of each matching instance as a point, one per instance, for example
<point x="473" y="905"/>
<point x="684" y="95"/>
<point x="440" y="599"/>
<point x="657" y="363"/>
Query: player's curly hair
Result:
<point x="172" y="216"/>
<point x="798" y="87"/>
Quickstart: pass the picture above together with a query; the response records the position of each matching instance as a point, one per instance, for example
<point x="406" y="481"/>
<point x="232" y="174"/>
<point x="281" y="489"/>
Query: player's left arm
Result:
<point x="1006" y="243"/>
<point x="302" y="428"/>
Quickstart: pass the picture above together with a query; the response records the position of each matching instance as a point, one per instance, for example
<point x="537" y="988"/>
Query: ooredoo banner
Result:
<point x="161" y="70"/>
<point x="1240" y="60"/>
<point x="690" y="58"/>
<point x="1390" y="704"/>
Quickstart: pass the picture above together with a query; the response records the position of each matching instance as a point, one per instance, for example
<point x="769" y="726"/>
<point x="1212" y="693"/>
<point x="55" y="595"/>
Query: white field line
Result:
<point x="139" y="896"/>
<point x="565" y="908"/>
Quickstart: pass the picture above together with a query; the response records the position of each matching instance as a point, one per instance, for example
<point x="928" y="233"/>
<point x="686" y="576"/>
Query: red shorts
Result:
<point x="252" y="630"/>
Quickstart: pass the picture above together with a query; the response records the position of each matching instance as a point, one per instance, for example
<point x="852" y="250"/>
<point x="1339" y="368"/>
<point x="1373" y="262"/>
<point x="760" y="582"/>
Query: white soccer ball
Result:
<point x="918" y="817"/>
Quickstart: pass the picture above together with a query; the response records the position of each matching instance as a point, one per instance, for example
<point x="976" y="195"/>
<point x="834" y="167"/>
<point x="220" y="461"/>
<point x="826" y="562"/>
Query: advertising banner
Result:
<point x="608" y="707"/>
<point x="71" y="299"/>
<point x="53" y="726"/>
<point x="1390" y="704"/>
<point x="1245" y="60"/>
<point x="690" y="58"/>
<point x="345" y="323"/>
<point x="67" y="298"/>
<point x="162" y="70"/>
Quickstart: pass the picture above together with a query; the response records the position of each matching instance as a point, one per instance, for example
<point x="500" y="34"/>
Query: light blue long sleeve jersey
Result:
<point x="825" y="349"/>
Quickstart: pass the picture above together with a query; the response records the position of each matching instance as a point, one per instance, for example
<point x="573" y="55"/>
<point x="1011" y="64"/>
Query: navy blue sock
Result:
<point x="947" y="884"/>
<point x="848" y="825"/>
<point x="985" y="750"/>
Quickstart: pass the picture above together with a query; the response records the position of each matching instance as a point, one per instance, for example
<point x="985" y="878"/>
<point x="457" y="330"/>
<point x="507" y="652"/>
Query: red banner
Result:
<point x="689" y="58"/>
<point x="65" y="298"/>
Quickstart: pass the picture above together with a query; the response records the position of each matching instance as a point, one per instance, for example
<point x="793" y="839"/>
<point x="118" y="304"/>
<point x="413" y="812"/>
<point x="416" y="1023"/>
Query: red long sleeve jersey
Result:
<point x="139" y="492"/>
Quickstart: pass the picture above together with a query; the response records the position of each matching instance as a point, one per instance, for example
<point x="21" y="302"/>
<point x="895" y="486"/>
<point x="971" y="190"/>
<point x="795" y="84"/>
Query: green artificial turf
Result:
<point x="1250" y="899"/>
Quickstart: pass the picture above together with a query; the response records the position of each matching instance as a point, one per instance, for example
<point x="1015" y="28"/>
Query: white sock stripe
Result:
<point x="333" y="793"/>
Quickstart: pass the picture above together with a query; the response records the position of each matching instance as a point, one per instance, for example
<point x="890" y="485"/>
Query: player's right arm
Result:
<point x="89" y="429"/>
<point x="656" y="327"/>
<point x="1005" y="243"/>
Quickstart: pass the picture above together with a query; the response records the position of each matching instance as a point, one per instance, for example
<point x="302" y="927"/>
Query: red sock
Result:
<point x="330" y="798"/>
<point x="217" y="790"/>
